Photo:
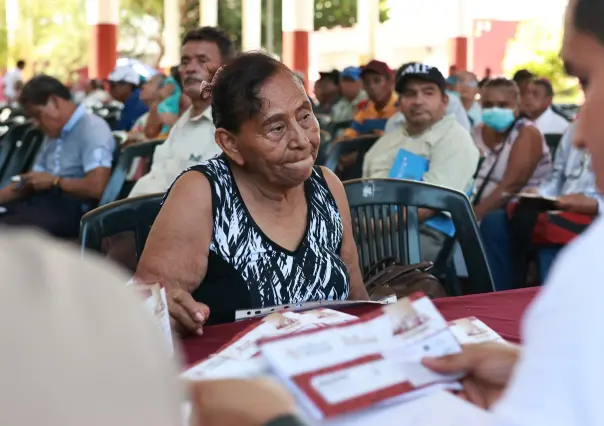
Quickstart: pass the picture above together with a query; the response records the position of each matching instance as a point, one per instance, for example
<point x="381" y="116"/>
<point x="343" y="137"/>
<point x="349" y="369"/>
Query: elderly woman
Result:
<point x="257" y="226"/>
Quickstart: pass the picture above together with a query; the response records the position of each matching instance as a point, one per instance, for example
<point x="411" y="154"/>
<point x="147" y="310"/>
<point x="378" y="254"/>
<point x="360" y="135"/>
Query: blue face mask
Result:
<point x="498" y="119"/>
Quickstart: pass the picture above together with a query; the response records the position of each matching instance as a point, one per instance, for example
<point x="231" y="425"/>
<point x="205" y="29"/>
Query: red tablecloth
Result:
<point x="501" y="311"/>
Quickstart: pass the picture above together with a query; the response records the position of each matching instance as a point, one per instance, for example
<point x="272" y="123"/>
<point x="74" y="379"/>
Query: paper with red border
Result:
<point x="354" y="365"/>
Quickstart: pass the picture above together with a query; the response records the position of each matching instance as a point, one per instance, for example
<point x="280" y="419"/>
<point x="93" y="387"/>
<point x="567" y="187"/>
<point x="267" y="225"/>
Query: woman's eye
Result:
<point x="278" y="129"/>
<point x="305" y="116"/>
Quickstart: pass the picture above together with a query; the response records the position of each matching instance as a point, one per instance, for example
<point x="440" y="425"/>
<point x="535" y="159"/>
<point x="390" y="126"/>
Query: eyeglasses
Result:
<point x="584" y="164"/>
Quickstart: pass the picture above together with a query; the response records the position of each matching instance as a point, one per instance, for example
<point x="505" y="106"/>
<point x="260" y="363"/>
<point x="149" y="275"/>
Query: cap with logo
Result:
<point x="125" y="74"/>
<point x="352" y="73"/>
<point x="420" y="72"/>
<point x="378" y="67"/>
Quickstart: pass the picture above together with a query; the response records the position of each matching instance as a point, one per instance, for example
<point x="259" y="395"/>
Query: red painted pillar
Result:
<point x="103" y="18"/>
<point x="297" y="24"/>
<point x="458" y="52"/>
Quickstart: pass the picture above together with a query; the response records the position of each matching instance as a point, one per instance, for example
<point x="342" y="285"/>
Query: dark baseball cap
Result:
<point x="378" y="67"/>
<point x="333" y="75"/>
<point x="421" y="72"/>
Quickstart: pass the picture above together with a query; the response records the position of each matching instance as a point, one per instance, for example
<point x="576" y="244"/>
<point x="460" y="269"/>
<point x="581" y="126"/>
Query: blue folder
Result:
<point x="408" y="165"/>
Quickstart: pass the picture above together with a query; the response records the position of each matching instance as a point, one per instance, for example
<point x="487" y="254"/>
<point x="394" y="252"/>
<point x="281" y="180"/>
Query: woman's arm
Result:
<point x="524" y="158"/>
<point x="176" y="252"/>
<point x="154" y="124"/>
<point x="348" y="253"/>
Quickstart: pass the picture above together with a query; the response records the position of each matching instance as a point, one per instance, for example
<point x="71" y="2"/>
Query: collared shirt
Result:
<point x="345" y="110"/>
<point x="190" y="142"/>
<point x="572" y="173"/>
<point x="10" y="80"/>
<point x="85" y="143"/>
<point x="558" y="378"/>
<point x="551" y="122"/>
<point x="448" y="147"/>
<point x="475" y="114"/>
<point x="369" y="120"/>
<point x="133" y="108"/>
<point x="454" y="107"/>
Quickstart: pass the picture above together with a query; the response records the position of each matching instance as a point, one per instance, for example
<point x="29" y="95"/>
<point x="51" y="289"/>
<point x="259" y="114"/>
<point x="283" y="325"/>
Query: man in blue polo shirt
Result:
<point x="124" y="85"/>
<point x="72" y="168"/>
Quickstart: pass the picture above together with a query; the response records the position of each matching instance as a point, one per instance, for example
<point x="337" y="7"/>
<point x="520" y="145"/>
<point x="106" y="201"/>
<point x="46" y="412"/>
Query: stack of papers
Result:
<point x="154" y="297"/>
<point x="339" y="369"/>
<point x="238" y="358"/>
<point x="348" y="370"/>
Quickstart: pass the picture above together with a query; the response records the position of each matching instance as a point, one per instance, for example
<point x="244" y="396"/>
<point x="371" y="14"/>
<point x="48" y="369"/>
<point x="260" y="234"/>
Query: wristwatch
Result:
<point x="57" y="182"/>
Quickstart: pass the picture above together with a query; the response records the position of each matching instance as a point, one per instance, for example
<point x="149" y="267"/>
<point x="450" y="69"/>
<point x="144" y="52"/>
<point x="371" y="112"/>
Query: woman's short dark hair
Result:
<point x="236" y="87"/>
<point x="589" y="18"/>
<point x="503" y="83"/>
<point x="214" y="35"/>
<point x="39" y="89"/>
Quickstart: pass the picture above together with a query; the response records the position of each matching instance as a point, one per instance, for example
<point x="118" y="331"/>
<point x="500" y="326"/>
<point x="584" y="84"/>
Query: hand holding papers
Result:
<point x="355" y="365"/>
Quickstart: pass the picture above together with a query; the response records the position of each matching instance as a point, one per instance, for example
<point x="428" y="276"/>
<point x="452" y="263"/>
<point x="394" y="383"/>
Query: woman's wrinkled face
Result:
<point x="282" y="140"/>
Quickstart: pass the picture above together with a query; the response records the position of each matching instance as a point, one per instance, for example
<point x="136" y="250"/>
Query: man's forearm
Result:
<point x="82" y="188"/>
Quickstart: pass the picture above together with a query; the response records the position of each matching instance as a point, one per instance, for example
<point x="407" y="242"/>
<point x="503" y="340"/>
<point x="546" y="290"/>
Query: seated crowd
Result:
<point x="249" y="220"/>
<point x="485" y="139"/>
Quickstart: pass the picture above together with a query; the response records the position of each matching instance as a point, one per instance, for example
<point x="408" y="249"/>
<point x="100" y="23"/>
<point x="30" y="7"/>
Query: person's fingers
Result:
<point x="179" y="314"/>
<point x="197" y="311"/>
<point x="447" y="364"/>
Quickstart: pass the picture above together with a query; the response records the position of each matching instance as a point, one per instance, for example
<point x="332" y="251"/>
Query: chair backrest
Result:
<point x="122" y="168"/>
<point x="553" y="140"/>
<point x="335" y="126"/>
<point x="339" y="148"/>
<point x="386" y="225"/>
<point x="135" y="214"/>
<point x="9" y="141"/>
<point x="23" y="155"/>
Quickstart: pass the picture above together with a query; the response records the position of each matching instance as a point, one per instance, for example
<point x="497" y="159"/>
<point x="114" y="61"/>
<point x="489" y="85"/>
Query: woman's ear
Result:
<point x="228" y="143"/>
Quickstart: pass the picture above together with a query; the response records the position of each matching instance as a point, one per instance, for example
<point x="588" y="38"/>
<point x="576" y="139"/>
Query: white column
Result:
<point x="251" y="25"/>
<point x="297" y="23"/>
<point x="368" y="19"/>
<point x="13" y="22"/>
<point x="208" y="13"/>
<point x="171" y="34"/>
<point x="270" y="34"/>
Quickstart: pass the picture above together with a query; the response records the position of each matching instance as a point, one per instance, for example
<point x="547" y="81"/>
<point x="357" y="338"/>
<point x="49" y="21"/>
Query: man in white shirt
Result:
<point x="538" y="103"/>
<point x="191" y="140"/>
<point x="11" y="79"/>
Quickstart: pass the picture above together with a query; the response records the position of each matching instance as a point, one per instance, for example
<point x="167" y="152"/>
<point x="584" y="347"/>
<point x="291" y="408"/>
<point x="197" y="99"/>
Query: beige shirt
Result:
<point x="191" y="141"/>
<point x="448" y="147"/>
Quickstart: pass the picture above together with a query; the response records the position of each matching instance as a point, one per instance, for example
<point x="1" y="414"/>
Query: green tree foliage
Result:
<point x="328" y="14"/>
<point x="536" y="47"/>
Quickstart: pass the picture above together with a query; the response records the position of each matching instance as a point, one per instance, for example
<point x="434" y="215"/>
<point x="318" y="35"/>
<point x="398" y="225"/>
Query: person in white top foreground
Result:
<point x="538" y="106"/>
<point x="556" y="378"/>
<point x="191" y="140"/>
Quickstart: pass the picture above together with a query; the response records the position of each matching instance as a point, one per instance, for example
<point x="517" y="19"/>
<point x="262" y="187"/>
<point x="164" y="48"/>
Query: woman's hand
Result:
<point x="187" y="316"/>
<point x="239" y="402"/>
<point x="578" y="203"/>
<point x="488" y="368"/>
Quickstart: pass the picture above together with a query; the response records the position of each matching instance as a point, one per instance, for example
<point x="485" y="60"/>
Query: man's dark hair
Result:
<point x="96" y="84"/>
<point x="39" y="89"/>
<point x="587" y="18"/>
<point x="213" y="35"/>
<point x="235" y="90"/>
<point x="521" y="76"/>
<point x="20" y="64"/>
<point x="546" y="84"/>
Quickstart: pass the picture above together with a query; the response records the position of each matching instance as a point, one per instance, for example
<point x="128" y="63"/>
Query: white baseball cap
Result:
<point x="125" y="74"/>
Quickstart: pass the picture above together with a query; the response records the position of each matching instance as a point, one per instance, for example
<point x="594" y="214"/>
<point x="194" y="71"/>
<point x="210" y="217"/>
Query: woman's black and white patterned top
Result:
<point x="248" y="270"/>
